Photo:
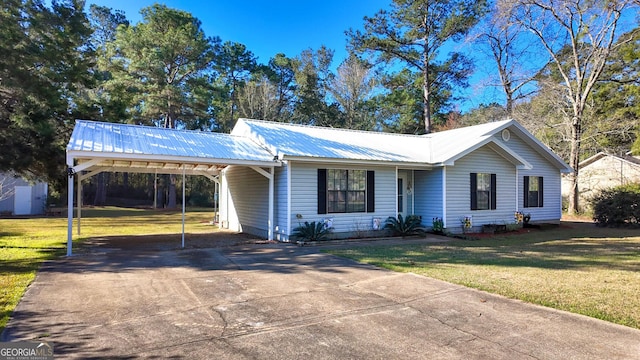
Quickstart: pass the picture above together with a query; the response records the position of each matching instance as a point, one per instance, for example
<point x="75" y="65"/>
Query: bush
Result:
<point x="617" y="206"/>
<point x="411" y="225"/>
<point x="312" y="231"/>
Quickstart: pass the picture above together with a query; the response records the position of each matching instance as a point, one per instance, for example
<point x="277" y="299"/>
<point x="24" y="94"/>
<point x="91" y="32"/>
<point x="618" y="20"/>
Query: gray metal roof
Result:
<point x="113" y="138"/>
<point x="256" y="142"/>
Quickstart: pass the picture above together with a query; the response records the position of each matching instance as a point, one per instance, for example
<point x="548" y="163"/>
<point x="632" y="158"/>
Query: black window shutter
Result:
<point x="526" y="192"/>
<point x="540" y="192"/>
<point x="371" y="192"/>
<point x="493" y="191"/>
<point x="473" y="189"/>
<point x="322" y="191"/>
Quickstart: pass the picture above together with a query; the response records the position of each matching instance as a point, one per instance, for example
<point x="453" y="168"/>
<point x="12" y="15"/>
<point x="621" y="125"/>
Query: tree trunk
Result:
<point x="100" y="197"/>
<point x="574" y="160"/>
<point x="427" y="95"/>
<point x="171" y="196"/>
<point x="171" y="201"/>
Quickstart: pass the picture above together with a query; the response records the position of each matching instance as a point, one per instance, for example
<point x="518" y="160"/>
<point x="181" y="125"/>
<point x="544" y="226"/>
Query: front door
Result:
<point x="402" y="194"/>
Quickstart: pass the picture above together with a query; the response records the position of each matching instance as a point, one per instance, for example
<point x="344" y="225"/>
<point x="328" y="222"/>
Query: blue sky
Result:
<point x="289" y="27"/>
<point x="270" y="27"/>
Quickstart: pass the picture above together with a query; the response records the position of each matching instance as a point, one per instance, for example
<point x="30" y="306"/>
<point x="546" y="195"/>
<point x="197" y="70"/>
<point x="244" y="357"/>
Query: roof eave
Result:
<point x="80" y="154"/>
<point x="404" y="164"/>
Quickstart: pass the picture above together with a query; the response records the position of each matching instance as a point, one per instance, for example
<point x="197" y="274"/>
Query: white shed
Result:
<point x="21" y="197"/>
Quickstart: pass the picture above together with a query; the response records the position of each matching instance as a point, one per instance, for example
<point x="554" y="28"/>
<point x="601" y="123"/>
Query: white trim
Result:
<point x="444" y="197"/>
<point x="413" y="192"/>
<point x="70" y="180"/>
<point x="79" y="199"/>
<point x="184" y="178"/>
<point x="289" y="171"/>
<point x="407" y="165"/>
<point x="96" y="157"/>
<point x="517" y="187"/>
<point x="395" y="185"/>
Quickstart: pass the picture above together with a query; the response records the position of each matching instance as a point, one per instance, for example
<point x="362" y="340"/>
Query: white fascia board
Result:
<point x="159" y="171"/>
<point x="167" y="159"/>
<point x="400" y="164"/>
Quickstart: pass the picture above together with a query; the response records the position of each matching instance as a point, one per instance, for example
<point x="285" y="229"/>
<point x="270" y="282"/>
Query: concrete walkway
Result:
<point x="276" y="301"/>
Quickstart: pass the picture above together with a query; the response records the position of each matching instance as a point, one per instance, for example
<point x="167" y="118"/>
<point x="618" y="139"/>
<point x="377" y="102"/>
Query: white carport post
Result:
<point x="271" y="204"/>
<point x="79" y="199"/>
<point x="183" y="202"/>
<point x="70" y="207"/>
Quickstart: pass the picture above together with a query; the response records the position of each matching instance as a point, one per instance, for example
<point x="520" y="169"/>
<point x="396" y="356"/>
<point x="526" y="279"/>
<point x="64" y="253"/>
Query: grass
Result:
<point x="578" y="267"/>
<point x="26" y="243"/>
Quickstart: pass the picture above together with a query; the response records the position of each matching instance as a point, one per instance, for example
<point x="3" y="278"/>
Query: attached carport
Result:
<point x="97" y="147"/>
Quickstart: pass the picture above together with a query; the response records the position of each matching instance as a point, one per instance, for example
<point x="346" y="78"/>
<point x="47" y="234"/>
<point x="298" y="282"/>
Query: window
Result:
<point x="483" y="191"/>
<point x="533" y="191"/>
<point x="345" y="191"/>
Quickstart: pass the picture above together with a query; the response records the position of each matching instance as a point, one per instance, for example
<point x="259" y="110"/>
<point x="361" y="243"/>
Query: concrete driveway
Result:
<point x="276" y="301"/>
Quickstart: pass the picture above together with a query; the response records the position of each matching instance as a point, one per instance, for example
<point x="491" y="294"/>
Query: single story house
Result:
<point x="354" y="180"/>
<point x="274" y="176"/>
<point x="18" y="196"/>
<point x="603" y="171"/>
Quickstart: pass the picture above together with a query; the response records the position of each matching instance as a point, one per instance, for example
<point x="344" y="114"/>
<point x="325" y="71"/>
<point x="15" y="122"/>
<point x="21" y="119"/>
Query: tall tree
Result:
<point x="45" y="60"/>
<point x="414" y="33"/>
<point x="589" y="29"/>
<point x="352" y="88"/>
<point x="157" y="58"/>
<point x="234" y="66"/>
<point x="162" y="61"/>
<point x="281" y="73"/>
<point x="312" y="74"/>
<point x="511" y="50"/>
<point x="616" y="97"/>
<point x="258" y="99"/>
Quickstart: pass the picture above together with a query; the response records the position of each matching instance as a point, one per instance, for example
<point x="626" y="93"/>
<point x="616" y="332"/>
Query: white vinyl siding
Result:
<point x="304" y="197"/>
<point x="483" y="160"/>
<point x="248" y="196"/>
<point x="428" y="195"/>
<point x="552" y="209"/>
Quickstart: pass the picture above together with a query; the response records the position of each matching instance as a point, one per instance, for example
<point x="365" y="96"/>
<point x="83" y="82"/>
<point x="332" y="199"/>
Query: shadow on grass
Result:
<point x="573" y="246"/>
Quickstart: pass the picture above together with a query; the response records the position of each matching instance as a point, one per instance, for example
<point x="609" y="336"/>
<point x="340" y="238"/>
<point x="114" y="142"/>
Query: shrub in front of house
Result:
<point x="617" y="206"/>
<point x="410" y="225"/>
<point x="312" y="231"/>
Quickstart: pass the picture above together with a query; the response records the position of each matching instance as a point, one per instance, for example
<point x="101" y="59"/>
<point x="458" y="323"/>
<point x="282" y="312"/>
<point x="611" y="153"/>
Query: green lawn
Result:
<point x="577" y="267"/>
<point x="26" y="243"/>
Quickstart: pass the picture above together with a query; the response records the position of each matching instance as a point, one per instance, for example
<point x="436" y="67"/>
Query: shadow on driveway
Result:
<point x="278" y="301"/>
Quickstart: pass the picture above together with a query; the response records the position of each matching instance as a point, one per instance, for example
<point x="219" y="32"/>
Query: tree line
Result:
<point x="63" y="62"/>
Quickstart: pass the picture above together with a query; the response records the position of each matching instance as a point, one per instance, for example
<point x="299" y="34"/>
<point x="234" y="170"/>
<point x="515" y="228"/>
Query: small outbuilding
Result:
<point x="603" y="171"/>
<point x="19" y="196"/>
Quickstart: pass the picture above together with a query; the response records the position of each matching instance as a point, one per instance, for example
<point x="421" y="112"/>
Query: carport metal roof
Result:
<point x="96" y="147"/>
<point x="133" y="148"/>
